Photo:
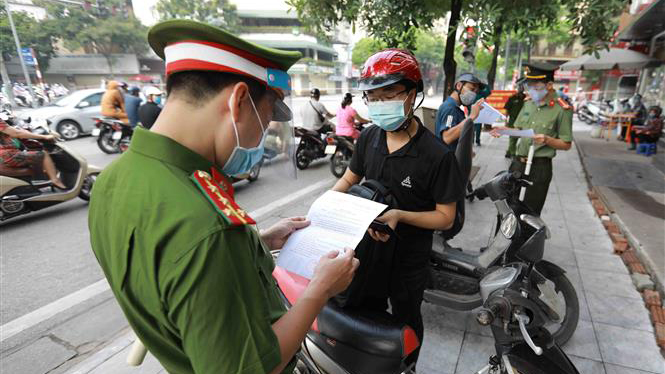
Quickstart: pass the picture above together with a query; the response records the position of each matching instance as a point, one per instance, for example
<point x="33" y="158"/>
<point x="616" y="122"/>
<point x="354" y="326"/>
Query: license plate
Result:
<point x="330" y="149"/>
<point x="117" y="135"/>
<point x="95" y="132"/>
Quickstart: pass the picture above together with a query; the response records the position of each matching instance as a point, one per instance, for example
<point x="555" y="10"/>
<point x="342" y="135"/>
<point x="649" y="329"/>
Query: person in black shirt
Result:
<point x="418" y="169"/>
<point x="149" y="111"/>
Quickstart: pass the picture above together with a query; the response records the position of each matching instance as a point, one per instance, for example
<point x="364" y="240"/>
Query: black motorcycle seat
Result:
<point x="376" y="333"/>
<point x="373" y="332"/>
<point x="455" y="254"/>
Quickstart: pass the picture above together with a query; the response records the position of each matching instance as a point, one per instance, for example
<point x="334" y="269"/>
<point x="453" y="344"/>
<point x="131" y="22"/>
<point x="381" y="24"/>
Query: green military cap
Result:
<point x="191" y="45"/>
<point x="187" y="45"/>
<point x="539" y="71"/>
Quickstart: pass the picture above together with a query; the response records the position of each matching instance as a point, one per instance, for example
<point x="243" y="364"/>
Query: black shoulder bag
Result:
<point x="373" y="276"/>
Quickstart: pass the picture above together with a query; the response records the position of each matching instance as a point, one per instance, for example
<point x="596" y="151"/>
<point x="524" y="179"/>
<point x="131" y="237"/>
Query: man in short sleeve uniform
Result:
<point x="188" y="267"/>
<point x="551" y="119"/>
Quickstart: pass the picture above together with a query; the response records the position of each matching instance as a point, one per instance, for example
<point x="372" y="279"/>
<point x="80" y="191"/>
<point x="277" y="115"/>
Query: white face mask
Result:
<point x="467" y="97"/>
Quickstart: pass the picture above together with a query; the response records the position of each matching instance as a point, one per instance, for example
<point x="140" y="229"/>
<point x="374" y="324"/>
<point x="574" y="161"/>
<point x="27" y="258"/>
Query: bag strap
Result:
<point x="377" y="187"/>
<point x="317" y="112"/>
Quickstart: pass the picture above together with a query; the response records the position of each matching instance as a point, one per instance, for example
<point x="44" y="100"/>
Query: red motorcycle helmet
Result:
<point x="388" y="67"/>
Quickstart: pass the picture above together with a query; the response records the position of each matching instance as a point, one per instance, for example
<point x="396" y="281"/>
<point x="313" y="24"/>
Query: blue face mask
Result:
<point x="388" y="115"/>
<point x="536" y="94"/>
<point x="158" y="100"/>
<point x="243" y="159"/>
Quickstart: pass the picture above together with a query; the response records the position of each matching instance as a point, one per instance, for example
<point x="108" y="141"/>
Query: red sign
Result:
<point x="498" y="99"/>
<point x="567" y="75"/>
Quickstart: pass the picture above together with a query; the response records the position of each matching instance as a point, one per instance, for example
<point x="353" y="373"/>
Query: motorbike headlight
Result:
<point x="509" y="225"/>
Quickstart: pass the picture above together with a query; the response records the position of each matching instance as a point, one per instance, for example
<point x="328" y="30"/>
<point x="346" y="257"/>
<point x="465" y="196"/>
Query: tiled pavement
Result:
<point x="614" y="335"/>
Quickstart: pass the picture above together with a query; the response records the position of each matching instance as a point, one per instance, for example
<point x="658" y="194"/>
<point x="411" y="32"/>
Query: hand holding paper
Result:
<point x="528" y="133"/>
<point x="338" y="221"/>
<point x="488" y="114"/>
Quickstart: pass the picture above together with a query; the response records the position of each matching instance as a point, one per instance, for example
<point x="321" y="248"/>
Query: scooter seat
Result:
<point x="376" y="333"/>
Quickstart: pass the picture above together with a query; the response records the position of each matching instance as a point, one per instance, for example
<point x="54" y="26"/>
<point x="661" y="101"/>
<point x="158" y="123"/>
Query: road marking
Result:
<point x="46" y="312"/>
<point x="35" y="317"/>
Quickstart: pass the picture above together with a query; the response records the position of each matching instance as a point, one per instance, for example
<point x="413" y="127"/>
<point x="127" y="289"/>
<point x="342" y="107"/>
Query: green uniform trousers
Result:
<point x="541" y="176"/>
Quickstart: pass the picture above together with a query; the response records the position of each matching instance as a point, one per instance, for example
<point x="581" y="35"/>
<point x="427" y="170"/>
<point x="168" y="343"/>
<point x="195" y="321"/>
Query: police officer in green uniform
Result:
<point x="188" y="267"/>
<point x="551" y="118"/>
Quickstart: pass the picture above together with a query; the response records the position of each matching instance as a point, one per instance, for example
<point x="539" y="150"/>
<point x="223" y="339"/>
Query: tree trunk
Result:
<point x="491" y="76"/>
<point x="449" y="64"/>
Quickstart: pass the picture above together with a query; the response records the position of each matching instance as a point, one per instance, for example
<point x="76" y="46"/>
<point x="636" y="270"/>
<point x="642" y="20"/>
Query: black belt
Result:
<point x="536" y="160"/>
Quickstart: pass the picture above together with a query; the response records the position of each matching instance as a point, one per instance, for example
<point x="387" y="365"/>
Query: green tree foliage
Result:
<point x="365" y="48"/>
<point x="395" y="22"/>
<point x="105" y="30"/>
<point x="31" y="34"/>
<point x="215" y="12"/>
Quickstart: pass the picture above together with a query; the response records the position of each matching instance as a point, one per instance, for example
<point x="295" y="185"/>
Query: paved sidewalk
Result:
<point x="632" y="186"/>
<point x="614" y="335"/>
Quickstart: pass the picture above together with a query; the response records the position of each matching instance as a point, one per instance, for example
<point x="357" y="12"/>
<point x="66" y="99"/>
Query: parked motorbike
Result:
<point x="22" y="191"/>
<point x="311" y="146"/>
<point x="113" y="136"/>
<point x="5" y="103"/>
<point x="456" y="274"/>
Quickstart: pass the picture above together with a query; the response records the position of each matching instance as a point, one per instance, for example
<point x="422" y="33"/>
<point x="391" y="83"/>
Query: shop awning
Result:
<point x="615" y="58"/>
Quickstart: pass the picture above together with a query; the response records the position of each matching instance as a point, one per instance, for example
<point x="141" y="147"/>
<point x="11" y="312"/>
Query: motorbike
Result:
<point x="311" y="146"/>
<point x="22" y="191"/>
<point x="113" y="136"/>
<point x="5" y="103"/>
<point x="341" y="148"/>
<point x="456" y="274"/>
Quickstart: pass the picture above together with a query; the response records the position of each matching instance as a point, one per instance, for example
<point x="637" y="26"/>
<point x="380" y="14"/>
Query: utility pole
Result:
<point x="20" y="55"/>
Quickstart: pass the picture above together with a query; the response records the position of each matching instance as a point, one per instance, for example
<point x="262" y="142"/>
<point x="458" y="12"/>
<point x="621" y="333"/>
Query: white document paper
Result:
<point x="488" y="114"/>
<point x="338" y="221"/>
<point x="528" y="133"/>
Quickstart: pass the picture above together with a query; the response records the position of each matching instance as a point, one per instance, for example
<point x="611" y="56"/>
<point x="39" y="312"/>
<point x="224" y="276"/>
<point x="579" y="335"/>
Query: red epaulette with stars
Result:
<point x="219" y="192"/>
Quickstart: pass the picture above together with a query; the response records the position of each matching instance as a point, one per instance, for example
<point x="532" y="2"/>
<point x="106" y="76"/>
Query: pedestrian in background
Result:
<point x="513" y="107"/>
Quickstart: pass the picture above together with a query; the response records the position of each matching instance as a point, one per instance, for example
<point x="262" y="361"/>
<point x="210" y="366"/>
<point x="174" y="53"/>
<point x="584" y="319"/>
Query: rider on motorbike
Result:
<point x="315" y="116"/>
<point x="12" y="156"/>
<point x="420" y="172"/>
<point x="113" y="102"/>
<point x="348" y="119"/>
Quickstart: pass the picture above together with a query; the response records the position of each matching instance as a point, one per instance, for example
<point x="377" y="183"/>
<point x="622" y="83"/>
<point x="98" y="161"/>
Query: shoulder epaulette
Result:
<point x="221" y="200"/>
<point x="563" y="103"/>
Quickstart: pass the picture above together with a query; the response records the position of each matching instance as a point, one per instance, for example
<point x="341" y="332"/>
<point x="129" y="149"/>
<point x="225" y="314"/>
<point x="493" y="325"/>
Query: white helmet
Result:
<point x="152" y="91"/>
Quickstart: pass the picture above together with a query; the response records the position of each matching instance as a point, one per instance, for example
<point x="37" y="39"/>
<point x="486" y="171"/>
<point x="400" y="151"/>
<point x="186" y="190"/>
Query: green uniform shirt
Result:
<point x="550" y="118"/>
<point x="198" y="292"/>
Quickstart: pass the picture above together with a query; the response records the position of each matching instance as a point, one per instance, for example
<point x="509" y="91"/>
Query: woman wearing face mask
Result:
<point x="551" y="118"/>
<point x="420" y="172"/>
